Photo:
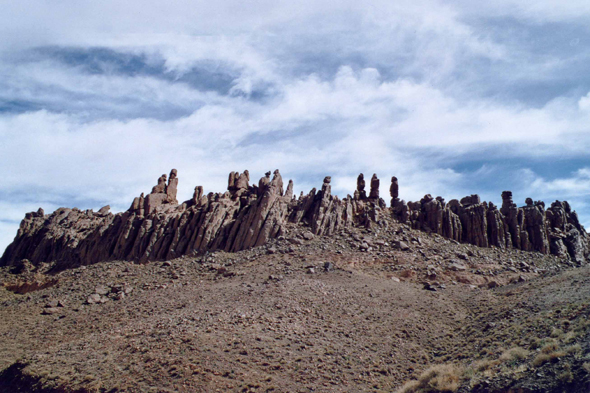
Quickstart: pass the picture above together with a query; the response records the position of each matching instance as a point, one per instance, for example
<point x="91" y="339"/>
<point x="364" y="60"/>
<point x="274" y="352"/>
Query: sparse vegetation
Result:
<point x="557" y="333"/>
<point x="543" y="358"/>
<point x="550" y="347"/>
<point x="566" y="376"/>
<point x="573" y="349"/>
<point x="516" y="353"/>
<point x="161" y="335"/>
<point x="440" y="378"/>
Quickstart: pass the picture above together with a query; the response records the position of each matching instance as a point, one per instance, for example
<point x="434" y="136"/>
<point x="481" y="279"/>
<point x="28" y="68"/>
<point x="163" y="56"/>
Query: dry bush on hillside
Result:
<point x="516" y="353"/>
<point x="440" y="378"/>
<point x="543" y="358"/>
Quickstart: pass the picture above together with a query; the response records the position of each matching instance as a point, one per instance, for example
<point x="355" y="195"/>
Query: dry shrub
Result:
<point x="549" y="347"/>
<point x="516" y="353"/>
<point x="566" y="377"/>
<point x="543" y="358"/>
<point x="570" y="337"/>
<point x="483" y="365"/>
<point x="573" y="349"/>
<point x="586" y="366"/>
<point x="557" y="333"/>
<point x="583" y="325"/>
<point x="440" y="378"/>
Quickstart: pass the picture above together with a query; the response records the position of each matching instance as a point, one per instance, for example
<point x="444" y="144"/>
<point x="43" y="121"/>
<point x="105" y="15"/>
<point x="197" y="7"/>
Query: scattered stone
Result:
<point x="295" y="241"/>
<point x="401" y="245"/>
<point x="94" y="298"/>
<point x="157" y="227"/>
<point x="308" y="235"/>
<point x="50" y="311"/>
<point x="102" y="290"/>
<point x="52" y="304"/>
<point x="457" y="267"/>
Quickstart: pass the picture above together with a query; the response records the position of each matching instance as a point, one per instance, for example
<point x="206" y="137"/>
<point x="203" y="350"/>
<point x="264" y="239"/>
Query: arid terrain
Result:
<point x="361" y="310"/>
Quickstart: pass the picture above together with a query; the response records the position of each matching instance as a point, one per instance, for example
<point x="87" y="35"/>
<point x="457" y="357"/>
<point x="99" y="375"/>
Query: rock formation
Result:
<point x="374" y="193"/>
<point x="360" y="187"/>
<point x="157" y="227"/>
<point x="530" y="228"/>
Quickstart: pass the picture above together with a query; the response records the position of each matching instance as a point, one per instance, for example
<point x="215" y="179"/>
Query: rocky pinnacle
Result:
<point x="158" y="227"/>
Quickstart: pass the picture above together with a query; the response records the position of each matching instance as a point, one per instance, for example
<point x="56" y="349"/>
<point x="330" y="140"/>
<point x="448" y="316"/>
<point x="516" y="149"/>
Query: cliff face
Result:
<point x="157" y="227"/>
<point x="555" y="230"/>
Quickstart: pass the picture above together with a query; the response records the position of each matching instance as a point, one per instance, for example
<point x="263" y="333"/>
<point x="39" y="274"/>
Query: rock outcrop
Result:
<point x="157" y="227"/>
<point x="531" y="228"/>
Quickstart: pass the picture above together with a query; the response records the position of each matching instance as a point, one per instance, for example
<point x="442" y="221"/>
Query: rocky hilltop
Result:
<point x="158" y="227"/>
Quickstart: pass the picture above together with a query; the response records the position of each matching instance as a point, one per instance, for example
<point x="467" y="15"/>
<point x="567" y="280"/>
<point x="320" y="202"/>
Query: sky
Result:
<point x="99" y="98"/>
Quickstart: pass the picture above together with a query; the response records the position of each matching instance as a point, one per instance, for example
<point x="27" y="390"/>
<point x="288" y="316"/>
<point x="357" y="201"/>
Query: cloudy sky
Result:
<point x="99" y="98"/>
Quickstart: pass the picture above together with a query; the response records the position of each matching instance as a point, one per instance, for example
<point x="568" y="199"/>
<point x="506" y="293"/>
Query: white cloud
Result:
<point x="584" y="103"/>
<point x="378" y="86"/>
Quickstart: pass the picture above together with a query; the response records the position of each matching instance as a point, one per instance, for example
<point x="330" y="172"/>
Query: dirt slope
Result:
<point x="348" y="313"/>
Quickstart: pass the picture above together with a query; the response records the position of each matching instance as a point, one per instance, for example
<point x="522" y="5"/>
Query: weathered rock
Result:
<point x="360" y="187"/>
<point x="161" y="186"/>
<point x="51" y="311"/>
<point x="400" y="210"/>
<point x="401" y="245"/>
<point x="457" y="267"/>
<point x="513" y="218"/>
<point x="94" y="298"/>
<point x="172" y="188"/>
<point x="102" y="290"/>
<point x="263" y="184"/>
<point x="308" y="236"/>
<point x="534" y="225"/>
<point x="158" y="228"/>
<point x="497" y="233"/>
<point x="394" y="189"/>
<point x="431" y="215"/>
<point x="242" y="182"/>
<point x="451" y="224"/>
<point x="374" y="193"/>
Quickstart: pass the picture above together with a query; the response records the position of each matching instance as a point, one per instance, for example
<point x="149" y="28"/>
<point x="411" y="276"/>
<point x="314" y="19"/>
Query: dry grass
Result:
<point x="440" y="378"/>
<point x="557" y="333"/>
<point x="549" y="347"/>
<point x="586" y="367"/>
<point x="575" y="349"/>
<point x="483" y="365"/>
<point x="543" y="358"/>
<point x="516" y="353"/>
<point x="566" y="376"/>
<point x="570" y="337"/>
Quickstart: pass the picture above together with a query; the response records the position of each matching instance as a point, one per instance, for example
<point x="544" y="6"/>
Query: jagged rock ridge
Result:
<point x="157" y="227"/>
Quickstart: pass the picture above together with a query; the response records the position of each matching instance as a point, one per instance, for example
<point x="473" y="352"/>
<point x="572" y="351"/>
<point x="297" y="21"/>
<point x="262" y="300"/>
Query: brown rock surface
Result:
<point x="157" y="227"/>
<point x="360" y="187"/>
<point x="374" y="193"/>
<point x="344" y="313"/>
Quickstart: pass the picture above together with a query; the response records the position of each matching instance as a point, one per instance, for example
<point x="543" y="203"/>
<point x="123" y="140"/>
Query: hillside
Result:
<point x="371" y="302"/>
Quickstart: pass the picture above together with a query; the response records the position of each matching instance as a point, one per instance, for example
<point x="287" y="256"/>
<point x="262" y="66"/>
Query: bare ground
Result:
<point x="276" y="319"/>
